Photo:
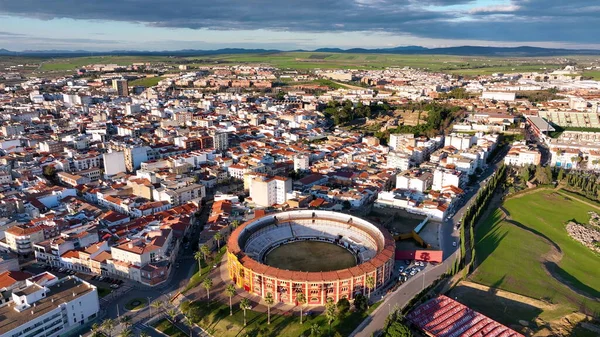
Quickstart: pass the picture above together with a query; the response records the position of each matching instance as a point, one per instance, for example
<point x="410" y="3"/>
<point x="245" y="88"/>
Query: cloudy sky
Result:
<point x="100" y="25"/>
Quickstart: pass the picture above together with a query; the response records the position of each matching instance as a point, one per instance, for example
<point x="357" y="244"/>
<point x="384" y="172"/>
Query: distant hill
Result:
<point x="523" y="51"/>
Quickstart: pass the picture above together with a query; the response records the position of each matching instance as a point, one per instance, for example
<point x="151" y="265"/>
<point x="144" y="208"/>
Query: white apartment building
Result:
<point x="301" y="162"/>
<point x="414" y="180"/>
<point x="267" y="192"/>
<point x="520" y="155"/>
<point x="460" y="141"/>
<point x="220" y="141"/>
<point x="114" y="163"/>
<point x="445" y="177"/>
<point x="399" y="160"/>
<point x="397" y="139"/>
<point x="49" y="307"/>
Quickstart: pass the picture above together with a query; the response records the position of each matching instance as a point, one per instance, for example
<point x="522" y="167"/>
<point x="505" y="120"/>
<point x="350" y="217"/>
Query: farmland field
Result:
<point x="530" y="253"/>
<point x="146" y="82"/>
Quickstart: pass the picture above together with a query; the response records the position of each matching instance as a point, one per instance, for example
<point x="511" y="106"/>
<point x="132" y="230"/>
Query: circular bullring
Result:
<point x="322" y="254"/>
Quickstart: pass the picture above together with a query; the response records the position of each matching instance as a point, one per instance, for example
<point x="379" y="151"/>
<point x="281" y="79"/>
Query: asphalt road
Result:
<point x="374" y="324"/>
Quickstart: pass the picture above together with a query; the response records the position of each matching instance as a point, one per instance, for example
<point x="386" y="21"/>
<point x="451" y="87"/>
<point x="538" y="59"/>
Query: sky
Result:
<point x="104" y="25"/>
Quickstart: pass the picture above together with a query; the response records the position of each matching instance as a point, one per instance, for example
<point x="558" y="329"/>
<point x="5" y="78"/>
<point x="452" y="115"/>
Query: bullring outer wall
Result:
<point x="260" y="279"/>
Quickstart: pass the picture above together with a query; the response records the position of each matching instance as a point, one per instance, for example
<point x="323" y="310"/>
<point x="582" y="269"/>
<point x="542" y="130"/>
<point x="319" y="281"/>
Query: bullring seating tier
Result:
<point x="263" y="239"/>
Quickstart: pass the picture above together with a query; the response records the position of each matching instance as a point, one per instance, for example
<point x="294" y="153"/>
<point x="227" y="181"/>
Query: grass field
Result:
<point x="168" y="328"/>
<point x="454" y="64"/>
<point x="595" y="74"/>
<point x="310" y="256"/>
<point x="146" y="82"/>
<point x="216" y="321"/>
<point x="463" y="65"/>
<point x="535" y="257"/>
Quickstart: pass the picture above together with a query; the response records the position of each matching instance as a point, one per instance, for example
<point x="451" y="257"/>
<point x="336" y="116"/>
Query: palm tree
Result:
<point x="126" y="333"/>
<point x="218" y="237"/>
<point x="144" y="334"/>
<point x="315" y="330"/>
<point x="245" y="304"/>
<point x="301" y="299"/>
<point x="172" y="313"/>
<point x="330" y="312"/>
<point x="157" y="305"/>
<point x="198" y="256"/>
<point x="269" y="300"/>
<point x="108" y="326"/>
<point x="370" y="283"/>
<point x="235" y="224"/>
<point x="230" y="291"/>
<point x="205" y="251"/>
<point x="207" y="284"/>
<point x="126" y="321"/>
<point x="95" y="330"/>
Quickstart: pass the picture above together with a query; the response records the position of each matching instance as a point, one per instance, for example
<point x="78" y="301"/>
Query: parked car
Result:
<point x="114" y="286"/>
<point x="454" y="244"/>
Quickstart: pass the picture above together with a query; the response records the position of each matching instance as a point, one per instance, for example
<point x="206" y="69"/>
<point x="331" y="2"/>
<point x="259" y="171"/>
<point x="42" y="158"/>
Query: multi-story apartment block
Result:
<point x="415" y="179"/>
<point x="20" y="239"/>
<point x="266" y="191"/>
<point x="399" y="160"/>
<point x="521" y="155"/>
<point x="50" y="307"/>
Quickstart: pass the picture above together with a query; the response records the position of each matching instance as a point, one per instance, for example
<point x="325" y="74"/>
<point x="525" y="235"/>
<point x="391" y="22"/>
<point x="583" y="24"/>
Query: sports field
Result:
<point x="530" y="253"/>
<point x="310" y="256"/>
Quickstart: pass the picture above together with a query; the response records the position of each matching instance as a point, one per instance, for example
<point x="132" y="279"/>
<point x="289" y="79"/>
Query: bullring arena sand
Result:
<point x="310" y="256"/>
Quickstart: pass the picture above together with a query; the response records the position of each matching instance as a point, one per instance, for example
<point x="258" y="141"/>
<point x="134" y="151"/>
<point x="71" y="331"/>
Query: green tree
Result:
<point x="235" y="224"/>
<point x="397" y="329"/>
<point x="126" y="333"/>
<point x="108" y="326"/>
<point x="269" y="300"/>
<point x="343" y="307"/>
<point x="157" y="305"/>
<point x="346" y="204"/>
<point x="230" y="292"/>
<point x="218" y="237"/>
<point x="561" y="174"/>
<point x="301" y="298"/>
<point x="360" y="303"/>
<point x="330" y="312"/>
<point x="315" y="330"/>
<point x="49" y="171"/>
<point x="207" y="284"/>
<point x="525" y="175"/>
<point x="245" y="305"/>
<point x="125" y="320"/>
<point x="172" y="313"/>
<point x="96" y="330"/>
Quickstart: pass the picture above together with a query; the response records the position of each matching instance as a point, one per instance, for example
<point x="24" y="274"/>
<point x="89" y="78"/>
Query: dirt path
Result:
<point x="579" y="200"/>
<point x="511" y="296"/>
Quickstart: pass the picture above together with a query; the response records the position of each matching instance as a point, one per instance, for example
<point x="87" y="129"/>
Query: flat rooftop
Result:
<point x="541" y="124"/>
<point x="59" y="293"/>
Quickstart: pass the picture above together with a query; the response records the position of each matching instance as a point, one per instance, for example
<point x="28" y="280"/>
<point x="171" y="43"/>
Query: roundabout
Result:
<point x="321" y="254"/>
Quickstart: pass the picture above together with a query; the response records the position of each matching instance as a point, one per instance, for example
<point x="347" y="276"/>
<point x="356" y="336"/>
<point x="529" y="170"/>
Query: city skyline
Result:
<point x="108" y="25"/>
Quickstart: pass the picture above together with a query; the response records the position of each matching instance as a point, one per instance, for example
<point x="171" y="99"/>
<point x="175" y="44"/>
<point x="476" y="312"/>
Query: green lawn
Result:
<point x="516" y="259"/>
<point x="168" y="328"/>
<point x="216" y="320"/>
<point x="146" y="82"/>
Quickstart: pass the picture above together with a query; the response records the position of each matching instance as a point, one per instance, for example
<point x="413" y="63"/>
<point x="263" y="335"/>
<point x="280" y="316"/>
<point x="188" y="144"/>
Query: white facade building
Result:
<point x="301" y="163"/>
<point x="114" y="163"/>
<point x="49" y="307"/>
